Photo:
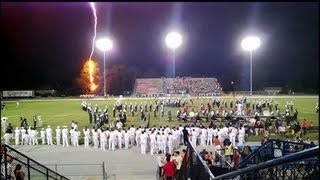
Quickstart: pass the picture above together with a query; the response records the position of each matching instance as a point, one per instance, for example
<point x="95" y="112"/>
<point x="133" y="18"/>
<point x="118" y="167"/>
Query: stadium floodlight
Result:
<point x="104" y="45"/>
<point x="173" y="40"/>
<point x="250" y="43"/>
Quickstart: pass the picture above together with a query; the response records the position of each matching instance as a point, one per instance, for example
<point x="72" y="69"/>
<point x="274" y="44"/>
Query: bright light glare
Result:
<point x="250" y="43"/>
<point x="104" y="44"/>
<point x="173" y="40"/>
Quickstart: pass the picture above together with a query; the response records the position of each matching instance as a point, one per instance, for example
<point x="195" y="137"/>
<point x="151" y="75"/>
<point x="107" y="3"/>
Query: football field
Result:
<point x="59" y="112"/>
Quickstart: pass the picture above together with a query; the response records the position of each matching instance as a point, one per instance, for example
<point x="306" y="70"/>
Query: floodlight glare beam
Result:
<point x="250" y="43"/>
<point x="173" y="40"/>
<point x="104" y="45"/>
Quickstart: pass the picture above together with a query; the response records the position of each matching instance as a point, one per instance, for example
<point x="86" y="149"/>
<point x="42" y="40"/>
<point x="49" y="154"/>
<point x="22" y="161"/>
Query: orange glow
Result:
<point x="89" y="77"/>
<point x="92" y="69"/>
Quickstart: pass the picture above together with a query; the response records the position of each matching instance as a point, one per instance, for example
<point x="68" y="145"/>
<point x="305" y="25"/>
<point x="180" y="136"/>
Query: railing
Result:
<point x="267" y="151"/>
<point x="193" y="167"/>
<point x="300" y="165"/>
<point x="96" y="171"/>
<point x="222" y="160"/>
<point x="31" y="168"/>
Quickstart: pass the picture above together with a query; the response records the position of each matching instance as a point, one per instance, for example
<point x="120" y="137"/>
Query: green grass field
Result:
<point x="62" y="112"/>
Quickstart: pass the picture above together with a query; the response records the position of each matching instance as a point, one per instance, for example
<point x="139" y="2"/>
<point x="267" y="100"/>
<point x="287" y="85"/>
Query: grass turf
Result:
<point x="62" y="112"/>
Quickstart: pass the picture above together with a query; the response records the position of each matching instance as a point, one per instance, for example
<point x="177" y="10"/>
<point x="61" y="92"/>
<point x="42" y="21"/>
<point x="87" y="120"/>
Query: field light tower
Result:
<point x="250" y="43"/>
<point x="173" y="41"/>
<point x="104" y="45"/>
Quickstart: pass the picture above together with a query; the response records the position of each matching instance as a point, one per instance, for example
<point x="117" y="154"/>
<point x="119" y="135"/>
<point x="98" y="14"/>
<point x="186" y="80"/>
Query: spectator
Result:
<point x="9" y="161"/>
<point x="18" y="173"/>
<point x="217" y="144"/>
<point x="246" y="151"/>
<point x="168" y="169"/>
<point x="277" y="150"/>
<point x="228" y="152"/>
<point x="236" y="157"/>
<point x="304" y="126"/>
<point x="160" y="161"/>
<point x="178" y="162"/>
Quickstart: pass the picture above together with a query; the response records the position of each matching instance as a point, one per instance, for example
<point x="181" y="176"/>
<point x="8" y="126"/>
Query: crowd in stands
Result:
<point x="87" y="96"/>
<point x="14" y="171"/>
<point x="150" y="87"/>
<point x="179" y="85"/>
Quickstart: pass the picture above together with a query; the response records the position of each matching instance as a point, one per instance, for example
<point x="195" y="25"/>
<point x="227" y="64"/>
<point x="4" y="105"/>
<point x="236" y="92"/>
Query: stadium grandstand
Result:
<point x="154" y="87"/>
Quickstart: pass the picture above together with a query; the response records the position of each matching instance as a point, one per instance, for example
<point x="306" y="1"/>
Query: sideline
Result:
<point x="146" y="98"/>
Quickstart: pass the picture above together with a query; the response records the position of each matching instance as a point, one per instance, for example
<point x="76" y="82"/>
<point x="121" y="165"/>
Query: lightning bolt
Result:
<point x="93" y="7"/>
<point x="93" y="86"/>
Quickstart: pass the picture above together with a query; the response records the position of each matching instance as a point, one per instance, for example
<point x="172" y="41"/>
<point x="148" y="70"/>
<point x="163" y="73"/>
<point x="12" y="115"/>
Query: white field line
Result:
<point x="146" y="98"/>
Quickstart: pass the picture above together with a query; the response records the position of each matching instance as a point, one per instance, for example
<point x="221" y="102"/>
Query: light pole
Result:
<point x="173" y="40"/>
<point x="250" y="43"/>
<point x="104" y="45"/>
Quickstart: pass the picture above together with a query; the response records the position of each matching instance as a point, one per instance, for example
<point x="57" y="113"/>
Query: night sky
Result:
<point x="45" y="44"/>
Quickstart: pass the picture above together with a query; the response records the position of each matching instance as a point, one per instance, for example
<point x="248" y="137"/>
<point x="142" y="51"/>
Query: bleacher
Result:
<point x="148" y="87"/>
<point x="182" y="85"/>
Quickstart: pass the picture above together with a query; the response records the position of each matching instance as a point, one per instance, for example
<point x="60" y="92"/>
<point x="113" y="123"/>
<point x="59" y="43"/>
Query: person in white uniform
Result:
<point x="16" y="135"/>
<point x="194" y="138"/>
<point x="65" y="140"/>
<point x="95" y="138"/>
<point x="43" y="136"/>
<point x="210" y="136"/>
<point x="33" y="136"/>
<point x="132" y="133"/>
<point x="49" y="135"/>
<point x="164" y="139"/>
<point x="143" y="140"/>
<point x="170" y="143"/>
<point x="120" y="137"/>
<point x="232" y="135"/>
<point x="72" y="135"/>
<point x="126" y="139"/>
<point x="112" y="140"/>
<point x="203" y="136"/>
<point x="58" y="136"/>
<point x="241" y="135"/>
<point x="76" y="138"/>
<point x="152" y="142"/>
<point x="23" y="135"/>
<point x="103" y="140"/>
<point x="137" y="136"/>
<point x="86" y="133"/>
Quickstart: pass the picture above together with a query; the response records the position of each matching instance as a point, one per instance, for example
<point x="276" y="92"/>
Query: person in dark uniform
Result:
<point x="124" y="118"/>
<point x="145" y="108"/>
<point x="150" y="107"/>
<point x="142" y="116"/>
<point x="94" y="117"/>
<point x="295" y="115"/>
<point x="35" y="119"/>
<point x="154" y="112"/>
<point x="114" y="111"/>
<point x="185" y="136"/>
<point x="169" y="115"/>
<point x="135" y="108"/>
<point x="90" y="116"/>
